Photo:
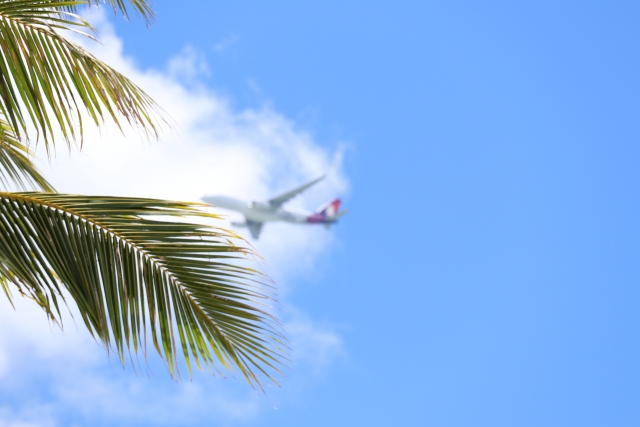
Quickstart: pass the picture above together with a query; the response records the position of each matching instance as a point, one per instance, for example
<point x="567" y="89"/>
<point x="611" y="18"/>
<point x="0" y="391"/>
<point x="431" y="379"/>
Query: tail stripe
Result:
<point x="325" y="212"/>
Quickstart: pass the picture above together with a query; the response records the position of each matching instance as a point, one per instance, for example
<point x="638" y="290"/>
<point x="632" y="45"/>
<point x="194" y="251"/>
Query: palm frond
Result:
<point x="130" y="272"/>
<point x="16" y="164"/>
<point x="140" y="7"/>
<point x="49" y="82"/>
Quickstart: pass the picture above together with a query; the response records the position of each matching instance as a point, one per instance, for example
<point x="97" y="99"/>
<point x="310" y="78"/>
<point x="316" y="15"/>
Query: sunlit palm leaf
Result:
<point x="16" y="164"/>
<point x="141" y="7"/>
<point x="48" y="81"/>
<point x="129" y="274"/>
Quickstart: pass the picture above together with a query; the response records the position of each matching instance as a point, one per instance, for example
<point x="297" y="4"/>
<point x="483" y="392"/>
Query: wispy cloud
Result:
<point x="189" y="65"/>
<point x="33" y="417"/>
<point x="213" y="148"/>
<point x="226" y="43"/>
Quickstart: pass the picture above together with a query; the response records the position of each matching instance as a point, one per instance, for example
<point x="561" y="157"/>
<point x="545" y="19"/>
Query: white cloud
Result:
<point x="213" y="148"/>
<point x="189" y="65"/>
<point x="314" y="345"/>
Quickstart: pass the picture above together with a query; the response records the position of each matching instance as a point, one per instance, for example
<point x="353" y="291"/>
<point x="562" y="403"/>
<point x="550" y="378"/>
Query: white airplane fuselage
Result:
<point x="260" y="211"/>
<point x="257" y="213"/>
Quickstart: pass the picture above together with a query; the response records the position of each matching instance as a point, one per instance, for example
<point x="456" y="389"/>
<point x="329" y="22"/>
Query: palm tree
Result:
<point x="129" y="270"/>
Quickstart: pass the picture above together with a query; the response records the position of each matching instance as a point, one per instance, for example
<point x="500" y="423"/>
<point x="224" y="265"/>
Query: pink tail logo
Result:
<point x="325" y="212"/>
<point x="332" y="208"/>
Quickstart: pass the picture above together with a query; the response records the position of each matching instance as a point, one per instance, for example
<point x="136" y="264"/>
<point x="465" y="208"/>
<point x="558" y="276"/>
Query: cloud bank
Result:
<point x="51" y="378"/>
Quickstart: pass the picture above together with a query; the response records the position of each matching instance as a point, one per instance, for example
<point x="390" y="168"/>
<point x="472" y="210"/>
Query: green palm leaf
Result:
<point x="48" y="81"/>
<point x="141" y="7"/>
<point x="16" y="165"/>
<point x="132" y="273"/>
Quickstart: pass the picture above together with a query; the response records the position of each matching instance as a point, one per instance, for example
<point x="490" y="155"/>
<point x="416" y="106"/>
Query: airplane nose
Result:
<point x="207" y="199"/>
<point x="221" y="202"/>
<point x="213" y="200"/>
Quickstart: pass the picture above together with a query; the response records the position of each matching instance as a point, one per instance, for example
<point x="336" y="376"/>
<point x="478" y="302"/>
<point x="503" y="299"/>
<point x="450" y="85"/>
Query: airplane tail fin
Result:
<point x="329" y="209"/>
<point x="327" y="213"/>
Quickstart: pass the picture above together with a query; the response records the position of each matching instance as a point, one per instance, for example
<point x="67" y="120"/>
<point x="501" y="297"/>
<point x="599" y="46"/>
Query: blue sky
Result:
<point x="487" y="274"/>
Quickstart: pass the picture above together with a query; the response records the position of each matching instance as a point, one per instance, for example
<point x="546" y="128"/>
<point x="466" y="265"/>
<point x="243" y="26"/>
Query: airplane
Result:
<point x="256" y="213"/>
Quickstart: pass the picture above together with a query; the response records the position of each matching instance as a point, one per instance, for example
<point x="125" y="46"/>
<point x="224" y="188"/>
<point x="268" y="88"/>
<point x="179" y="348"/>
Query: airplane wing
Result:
<point x="255" y="228"/>
<point x="283" y="198"/>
